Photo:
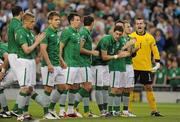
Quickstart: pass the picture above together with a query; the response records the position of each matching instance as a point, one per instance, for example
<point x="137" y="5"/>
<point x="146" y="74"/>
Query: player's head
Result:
<point x="140" y="25"/>
<point x="53" y="19"/>
<point x="75" y="20"/>
<point x="119" y="23"/>
<point x="17" y="11"/>
<point x="89" y="21"/>
<point x="118" y="32"/>
<point x="127" y="27"/>
<point x="28" y="20"/>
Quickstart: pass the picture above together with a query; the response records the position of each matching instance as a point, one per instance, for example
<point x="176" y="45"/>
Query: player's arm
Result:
<point x="63" y="41"/>
<point x="155" y="53"/>
<point x="44" y="53"/>
<point x="62" y="62"/>
<point x="28" y="49"/>
<point x="87" y="52"/>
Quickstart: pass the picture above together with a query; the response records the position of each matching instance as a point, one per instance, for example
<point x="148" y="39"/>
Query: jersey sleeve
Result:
<point x="155" y="49"/>
<point x="65" y="37"/>
<point x="104" y="45"/>
<point x="45" y="40"/>
<point x="20" y="37"/>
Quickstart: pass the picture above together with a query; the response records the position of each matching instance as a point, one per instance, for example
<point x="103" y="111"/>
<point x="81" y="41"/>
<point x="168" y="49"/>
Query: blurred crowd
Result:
<point x="162" y="19"/>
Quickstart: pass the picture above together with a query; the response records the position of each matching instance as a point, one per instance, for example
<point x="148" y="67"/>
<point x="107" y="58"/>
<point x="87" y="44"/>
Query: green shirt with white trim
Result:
<point x="52" y="41"/>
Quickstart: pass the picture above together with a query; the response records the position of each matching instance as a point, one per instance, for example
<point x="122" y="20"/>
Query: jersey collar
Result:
<point x="141" y="34"/>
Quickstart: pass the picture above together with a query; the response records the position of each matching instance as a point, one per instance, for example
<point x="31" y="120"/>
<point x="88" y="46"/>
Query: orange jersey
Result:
<point x="147" y="48"/>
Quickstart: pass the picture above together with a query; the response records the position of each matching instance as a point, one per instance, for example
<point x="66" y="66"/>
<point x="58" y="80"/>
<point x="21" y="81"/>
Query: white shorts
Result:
<point x="51" y="79"/>
<point x="25" y="70"/>
<point x="9" y="79"/>
<point x="85" y="74"/>
<point x="72" y="75"/>
<point x="117" y="79"/>
<point x="100" y="75"/>
<point x="130" y="76"/>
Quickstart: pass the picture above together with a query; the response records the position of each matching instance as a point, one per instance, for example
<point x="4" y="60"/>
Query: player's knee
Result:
<point x="48" y="89"/>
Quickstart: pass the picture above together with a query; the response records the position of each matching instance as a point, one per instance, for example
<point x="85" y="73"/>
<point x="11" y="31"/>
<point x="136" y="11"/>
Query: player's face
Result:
<point x="55" y="22"/>
<point x="117" y="35"/>
<point x="140" y="26"/>
<point x="30" y="23"/>
<point x="127" y="28"/>
<point x="76" y="22"/>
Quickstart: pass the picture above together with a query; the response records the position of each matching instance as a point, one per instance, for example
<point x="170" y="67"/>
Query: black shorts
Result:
<point x="143" y="77"/>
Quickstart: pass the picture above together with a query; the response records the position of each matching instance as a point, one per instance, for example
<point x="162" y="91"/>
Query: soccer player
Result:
<point x="52" y="73"/>
<point x="111" y="51"/>
<point x="14" y="25"/>
<point x="25" y="69"/>
<point x="69" y="57"/>
<point x="142" y="61"/>
<point x="129" y="84"/>
<point x="85" y="71"/>
<point x="6" y="78"/>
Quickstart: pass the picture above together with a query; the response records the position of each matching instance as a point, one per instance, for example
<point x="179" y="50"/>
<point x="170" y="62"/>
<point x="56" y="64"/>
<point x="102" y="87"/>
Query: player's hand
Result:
<point x="123" y="54"/>
<point x="95" y="53"/>
<point x="156" y="67"/>
<point x="1" y="76"/>
<point x="50" y="68"/>
<point x="40" y="37"/>
<point x="63" y="65"/>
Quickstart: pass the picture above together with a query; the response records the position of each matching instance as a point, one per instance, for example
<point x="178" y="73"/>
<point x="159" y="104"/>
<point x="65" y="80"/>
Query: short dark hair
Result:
<point x="16" y="10"/>
<point x="71" y="16"/>
<point x="51" y="14"/>
<point x="119" y="21"/>
<point x="88" y="20"/>
<point x="118" y="28"/>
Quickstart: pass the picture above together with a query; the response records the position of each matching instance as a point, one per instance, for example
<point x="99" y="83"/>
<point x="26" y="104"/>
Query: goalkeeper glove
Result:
<point x="156" y="67"/>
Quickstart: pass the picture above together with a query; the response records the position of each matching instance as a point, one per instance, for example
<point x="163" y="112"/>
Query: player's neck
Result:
<point x="18" y="17"/>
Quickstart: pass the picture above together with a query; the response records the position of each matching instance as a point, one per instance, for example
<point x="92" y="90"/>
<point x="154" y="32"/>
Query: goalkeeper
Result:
<point x="142" y="64"/>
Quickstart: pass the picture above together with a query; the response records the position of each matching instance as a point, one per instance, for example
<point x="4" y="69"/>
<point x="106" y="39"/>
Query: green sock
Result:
<point x="15" y="108"/>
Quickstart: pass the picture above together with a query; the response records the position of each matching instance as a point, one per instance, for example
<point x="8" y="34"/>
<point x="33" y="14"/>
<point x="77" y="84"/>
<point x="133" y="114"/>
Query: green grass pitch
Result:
<point x="171" y="113"/>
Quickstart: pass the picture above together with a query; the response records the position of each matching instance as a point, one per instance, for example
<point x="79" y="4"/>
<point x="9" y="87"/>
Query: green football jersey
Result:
<point x="70" y="37"/>
<point x="124" y="40"/>
<point x="52" y="40"/>
<point x="86" y="37"/>
<point x="3" y="49"/>
<point x="25" y="36"/>
<point x="112" y="47"/>
<point x="97" y="60"/>
<point x="13" y="26"/>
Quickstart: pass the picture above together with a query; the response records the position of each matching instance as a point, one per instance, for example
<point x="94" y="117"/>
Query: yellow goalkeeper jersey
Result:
<point x="147" y="48"/>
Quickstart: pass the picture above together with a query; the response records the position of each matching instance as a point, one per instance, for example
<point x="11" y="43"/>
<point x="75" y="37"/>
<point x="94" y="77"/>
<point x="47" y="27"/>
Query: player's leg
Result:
<point x="71" y="78"/>
<point x="97" y="73"/>
<point x="129" y="85"/>
<point x="48" y="83"/>
<point x="105" y="91"/>
<point x="146" y="79"/>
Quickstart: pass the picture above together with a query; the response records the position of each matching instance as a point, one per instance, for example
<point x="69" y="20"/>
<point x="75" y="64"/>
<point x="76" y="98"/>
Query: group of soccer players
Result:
<point x="70" y="68"/>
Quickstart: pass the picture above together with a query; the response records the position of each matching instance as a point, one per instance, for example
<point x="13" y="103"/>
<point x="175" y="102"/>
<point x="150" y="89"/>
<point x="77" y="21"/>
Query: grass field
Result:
<point x="171" y="113"/>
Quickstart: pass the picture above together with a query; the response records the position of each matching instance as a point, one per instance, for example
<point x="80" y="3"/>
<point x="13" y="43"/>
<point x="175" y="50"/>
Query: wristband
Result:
<point x="115" y="56"/>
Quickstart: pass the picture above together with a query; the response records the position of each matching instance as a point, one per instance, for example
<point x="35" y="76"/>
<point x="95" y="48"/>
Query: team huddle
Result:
<point x="71" y="68"/>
